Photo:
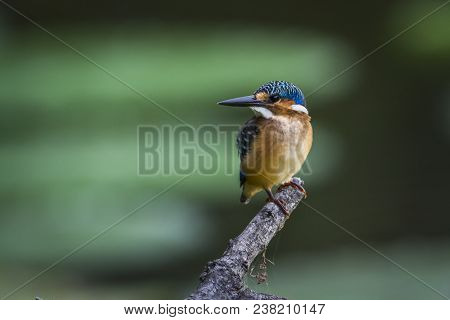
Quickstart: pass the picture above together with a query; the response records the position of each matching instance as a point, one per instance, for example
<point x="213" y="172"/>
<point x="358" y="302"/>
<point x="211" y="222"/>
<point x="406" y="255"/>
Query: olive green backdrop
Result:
<point x="68" y="150"/>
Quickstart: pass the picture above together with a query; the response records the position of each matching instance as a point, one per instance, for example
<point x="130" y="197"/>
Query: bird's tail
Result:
<point x="244" y="199"/>
<point x="248" y="191"/>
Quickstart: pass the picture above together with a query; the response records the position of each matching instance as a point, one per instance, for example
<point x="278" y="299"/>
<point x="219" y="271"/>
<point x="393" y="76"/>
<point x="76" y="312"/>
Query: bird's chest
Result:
<point x="281" y="139"/>
<point x="278" y="151"/>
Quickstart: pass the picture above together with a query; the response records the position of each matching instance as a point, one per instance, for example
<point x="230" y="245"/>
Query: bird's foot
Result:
<point x="277" y="202"/>
<point x="296" y="183"/>
<point x="280" y="205"/>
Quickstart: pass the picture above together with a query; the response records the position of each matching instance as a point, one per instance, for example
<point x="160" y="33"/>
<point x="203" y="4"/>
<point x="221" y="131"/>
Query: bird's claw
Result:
<point x="296" y="183"/>
<point x="280" y="205"/>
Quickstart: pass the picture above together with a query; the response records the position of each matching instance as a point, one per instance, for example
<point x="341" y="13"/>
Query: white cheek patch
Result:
<point x="299" y="108"/>
<point x="266" y="113"/>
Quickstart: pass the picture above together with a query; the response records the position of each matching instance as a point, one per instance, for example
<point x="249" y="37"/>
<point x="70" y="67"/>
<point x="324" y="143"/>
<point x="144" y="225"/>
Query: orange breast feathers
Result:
<point x="278" y="151"/>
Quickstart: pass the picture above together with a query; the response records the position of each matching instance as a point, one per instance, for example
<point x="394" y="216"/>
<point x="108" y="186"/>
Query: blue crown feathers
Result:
<point x="284" y="89"/>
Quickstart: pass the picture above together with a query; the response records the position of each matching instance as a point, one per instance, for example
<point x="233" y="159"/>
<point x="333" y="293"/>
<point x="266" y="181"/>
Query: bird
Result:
<point x="275" y="142"/>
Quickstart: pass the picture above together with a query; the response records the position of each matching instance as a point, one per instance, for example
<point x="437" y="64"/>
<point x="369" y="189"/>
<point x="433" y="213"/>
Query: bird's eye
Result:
<point x="274" y="98"/>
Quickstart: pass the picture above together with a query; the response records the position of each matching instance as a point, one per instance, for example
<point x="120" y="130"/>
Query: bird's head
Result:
<point x="272" y="98"/>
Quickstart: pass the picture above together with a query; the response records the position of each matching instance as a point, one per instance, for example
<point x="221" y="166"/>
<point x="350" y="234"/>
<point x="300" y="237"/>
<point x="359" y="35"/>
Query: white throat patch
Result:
<point x="266" y="113"/>
<point x="299" y="108"/>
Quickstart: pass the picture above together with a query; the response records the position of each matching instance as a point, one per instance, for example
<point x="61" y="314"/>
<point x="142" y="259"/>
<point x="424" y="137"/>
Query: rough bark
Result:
<point x="223" y="278"/>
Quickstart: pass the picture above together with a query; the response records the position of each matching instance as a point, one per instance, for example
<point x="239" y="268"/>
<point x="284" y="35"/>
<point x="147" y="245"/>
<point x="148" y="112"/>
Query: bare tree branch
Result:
<point x="223" y="278"/>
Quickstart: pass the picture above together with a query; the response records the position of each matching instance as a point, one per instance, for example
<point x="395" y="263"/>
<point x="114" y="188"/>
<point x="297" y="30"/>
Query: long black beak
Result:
<point x="247" y="101"/>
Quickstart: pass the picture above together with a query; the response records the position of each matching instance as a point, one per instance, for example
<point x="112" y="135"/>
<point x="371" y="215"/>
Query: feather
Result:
<point x="241" y="178"/>
<point x="246" y="137"/>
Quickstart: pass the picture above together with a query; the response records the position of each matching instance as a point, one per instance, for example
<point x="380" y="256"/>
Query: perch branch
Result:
<point x="223" y="278"/>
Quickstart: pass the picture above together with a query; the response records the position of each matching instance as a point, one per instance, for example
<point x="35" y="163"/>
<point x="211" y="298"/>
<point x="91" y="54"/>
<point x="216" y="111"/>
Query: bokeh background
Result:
<point x="69" y="154"/>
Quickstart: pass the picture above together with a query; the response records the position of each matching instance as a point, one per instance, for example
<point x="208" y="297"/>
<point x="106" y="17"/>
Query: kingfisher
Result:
<point x="274" y="144"/>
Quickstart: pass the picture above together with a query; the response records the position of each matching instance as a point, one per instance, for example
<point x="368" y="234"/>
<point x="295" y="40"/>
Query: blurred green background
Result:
<point x="69" y="154"/>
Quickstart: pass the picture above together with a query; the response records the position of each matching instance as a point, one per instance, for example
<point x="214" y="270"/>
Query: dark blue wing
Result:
<point x="241" y="178"/>
<point x="246" y="137"/>
<point x="244" y="141"/>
